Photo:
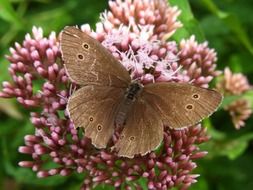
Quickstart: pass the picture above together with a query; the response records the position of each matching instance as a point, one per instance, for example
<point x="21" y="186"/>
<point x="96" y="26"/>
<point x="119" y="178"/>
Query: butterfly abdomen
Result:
<point x="127" y="103"/>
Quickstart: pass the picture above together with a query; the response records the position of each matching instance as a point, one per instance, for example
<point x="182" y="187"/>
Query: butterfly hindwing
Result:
<point x="93" y="108"/>
<point x="142" y="133"/>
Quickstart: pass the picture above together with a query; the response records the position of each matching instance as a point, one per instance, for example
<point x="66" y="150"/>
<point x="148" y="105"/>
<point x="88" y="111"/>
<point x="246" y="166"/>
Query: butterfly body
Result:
<point x="108" y="97"/>
<point x="126" y="105"/>
<point x="133" y="89"/>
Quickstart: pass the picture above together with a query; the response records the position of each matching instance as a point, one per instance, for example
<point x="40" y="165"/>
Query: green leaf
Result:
<point x="104" y="187"/>
<point x="22" y="174"/>
<point x="143" y="183"/>
<point x="241" y="63"/>
<point x="227" y="100"/>
<point x="190" y="24"/>
<point x="229" y="147"/>
<point x="232" y="22"/>
<point x="4" y="64"/>
<point x="234" y="148"/>
<point x="8" y="13"/>
<point x="201" y="184"/>
<point x="249" y="96"/>
<point x="215" y="134"/>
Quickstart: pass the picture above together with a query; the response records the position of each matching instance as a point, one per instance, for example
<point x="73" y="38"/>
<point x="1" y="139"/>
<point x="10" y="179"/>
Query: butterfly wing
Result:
<point x="181" y="104"/>
<point x="93" y="108"/>
<point x="142" y="133"/>
<point x="88" y="62"/>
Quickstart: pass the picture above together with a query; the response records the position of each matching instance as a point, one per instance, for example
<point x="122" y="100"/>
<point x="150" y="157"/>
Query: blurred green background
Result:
<point x="226" y="24"/>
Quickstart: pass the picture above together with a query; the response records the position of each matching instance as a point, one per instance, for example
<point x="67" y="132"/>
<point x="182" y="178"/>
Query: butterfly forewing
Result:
<point x="88" y="62"/>
<point x="93" y="108"/>
<point x="181" y="104"/>
<point x="142" y="133"/>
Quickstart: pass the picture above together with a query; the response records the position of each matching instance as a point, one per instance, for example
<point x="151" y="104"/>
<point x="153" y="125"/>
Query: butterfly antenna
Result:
<point x="153" y="80"/>
<point x="132" y="58"/>
<point x="72" y="89"/>
<point x="137" y="79"/>
<point x="63" y="97"/>
<point x="178" y="69"/>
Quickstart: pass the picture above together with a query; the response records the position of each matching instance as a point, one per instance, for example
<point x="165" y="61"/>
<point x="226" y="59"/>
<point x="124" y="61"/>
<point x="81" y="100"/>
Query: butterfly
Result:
<point x="108" y="98"/>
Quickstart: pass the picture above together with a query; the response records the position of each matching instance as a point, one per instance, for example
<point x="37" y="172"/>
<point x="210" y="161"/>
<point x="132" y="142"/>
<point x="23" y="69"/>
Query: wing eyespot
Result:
<point x="132" y="138"/>
<point x="99" y="127"/>
<point x="195" y="96"/>
<point x="80" y="56"/>
<point x="91" y="119"/>
<point x="85" y="46"/>
<point x="189" y="107"/>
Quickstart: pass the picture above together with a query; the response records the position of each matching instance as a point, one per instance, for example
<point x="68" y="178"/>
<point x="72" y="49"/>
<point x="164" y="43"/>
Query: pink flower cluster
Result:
<point x="236" y="84"/>
<point x="135" y="31"/>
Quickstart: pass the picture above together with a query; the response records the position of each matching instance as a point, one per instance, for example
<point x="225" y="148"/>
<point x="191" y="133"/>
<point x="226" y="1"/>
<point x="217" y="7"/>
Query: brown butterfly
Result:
<point x="108" y="98"/>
